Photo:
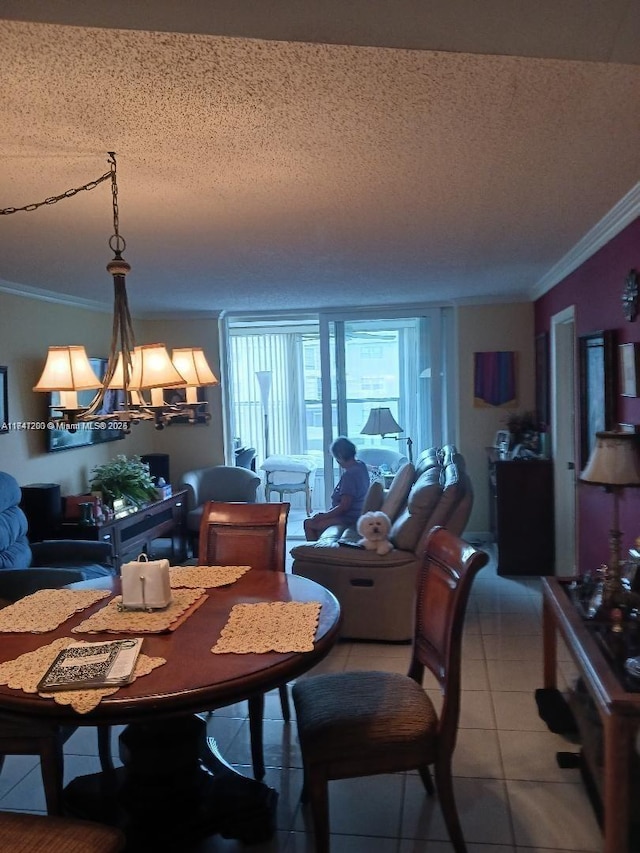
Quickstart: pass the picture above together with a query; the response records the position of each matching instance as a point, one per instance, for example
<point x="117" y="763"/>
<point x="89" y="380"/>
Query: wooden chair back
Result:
<point x="450" y="564"/>
<point x="244" y="534"/>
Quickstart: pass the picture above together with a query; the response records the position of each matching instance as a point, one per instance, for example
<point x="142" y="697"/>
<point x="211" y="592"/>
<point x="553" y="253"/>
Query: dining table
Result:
<point x="174" y="787"/>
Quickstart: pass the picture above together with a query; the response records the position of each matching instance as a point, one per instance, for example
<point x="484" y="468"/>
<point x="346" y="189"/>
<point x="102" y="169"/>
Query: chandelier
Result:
<point x="135" y="377"/>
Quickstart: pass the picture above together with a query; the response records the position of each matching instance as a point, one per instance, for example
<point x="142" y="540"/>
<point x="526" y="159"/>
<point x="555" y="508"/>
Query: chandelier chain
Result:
<point x="91" y="185"/>
<point x="116" y="242"/>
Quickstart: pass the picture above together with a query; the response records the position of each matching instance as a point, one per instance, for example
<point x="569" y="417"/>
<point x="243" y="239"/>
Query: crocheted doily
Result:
<point x="25" y="672"/>
<point x="111" y="619"/>
<point x="205" y="576"/>
<point x="275" y="626"/>
<point x="46" y="609"/>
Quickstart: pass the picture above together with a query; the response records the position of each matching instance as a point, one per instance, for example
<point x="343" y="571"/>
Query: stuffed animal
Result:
<point x="374" y="529"/>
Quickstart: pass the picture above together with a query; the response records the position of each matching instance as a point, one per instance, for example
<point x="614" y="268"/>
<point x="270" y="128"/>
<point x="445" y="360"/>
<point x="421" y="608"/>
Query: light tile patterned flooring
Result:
<point x="511" y="794"/>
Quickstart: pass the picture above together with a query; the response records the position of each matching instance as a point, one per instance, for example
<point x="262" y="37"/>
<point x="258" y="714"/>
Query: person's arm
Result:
<point x="338" y="510"/>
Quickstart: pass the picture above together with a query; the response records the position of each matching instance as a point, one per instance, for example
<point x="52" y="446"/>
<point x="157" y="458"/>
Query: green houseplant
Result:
<point x="123" y="477"/>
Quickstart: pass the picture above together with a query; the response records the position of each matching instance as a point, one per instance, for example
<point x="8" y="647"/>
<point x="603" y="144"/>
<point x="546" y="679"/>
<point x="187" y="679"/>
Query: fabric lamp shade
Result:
<point x="614" y="461"/>
<point x="157" y="369"/>
<point x="117" y="380"/>
<point x="67" y="369"/>
<point x="191" y="363"/>
<point x="381" y="422"/>
<point x="264" y="378"/>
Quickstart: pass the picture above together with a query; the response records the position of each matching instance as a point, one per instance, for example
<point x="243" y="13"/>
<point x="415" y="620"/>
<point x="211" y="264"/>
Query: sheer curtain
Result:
<point x="281" y="354"/>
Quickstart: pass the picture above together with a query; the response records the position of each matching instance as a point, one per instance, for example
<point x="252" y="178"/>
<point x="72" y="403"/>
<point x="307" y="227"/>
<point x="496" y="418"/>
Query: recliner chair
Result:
<point x="26" y="568"/>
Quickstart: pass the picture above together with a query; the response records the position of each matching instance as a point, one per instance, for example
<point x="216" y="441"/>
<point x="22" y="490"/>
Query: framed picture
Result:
<point x="4" y="401"/>
<point x="597" y="388"/>
<point x="502" y="440"/>
<point x="629" y="358"/>
<point x="176" y="396"/>
<point x="82" y="434"/>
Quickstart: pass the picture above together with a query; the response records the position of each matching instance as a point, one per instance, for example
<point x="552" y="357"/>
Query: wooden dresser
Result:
<point x="521" y="514"/>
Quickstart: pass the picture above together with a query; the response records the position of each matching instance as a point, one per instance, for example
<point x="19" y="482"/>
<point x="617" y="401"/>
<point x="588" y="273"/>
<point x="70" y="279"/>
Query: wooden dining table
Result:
<point x="174" y="786"/>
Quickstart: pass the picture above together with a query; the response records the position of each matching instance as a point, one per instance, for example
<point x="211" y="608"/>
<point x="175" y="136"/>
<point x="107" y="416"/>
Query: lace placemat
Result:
<point x="274" y="626"/>
<point x="25" y="672"/>
<point x="112" y="620"/>
<point x="46" y="609"/>
<point x="205" y="576"/>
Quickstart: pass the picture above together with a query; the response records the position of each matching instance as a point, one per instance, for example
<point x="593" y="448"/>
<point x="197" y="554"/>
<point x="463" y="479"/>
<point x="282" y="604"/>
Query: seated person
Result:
<point x="348" y="496"/>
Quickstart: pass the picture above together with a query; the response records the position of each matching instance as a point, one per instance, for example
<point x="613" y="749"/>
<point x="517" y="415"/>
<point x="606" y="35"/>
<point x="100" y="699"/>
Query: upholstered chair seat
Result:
<point x="31" y="833"/>
<point x="366" y="715"/>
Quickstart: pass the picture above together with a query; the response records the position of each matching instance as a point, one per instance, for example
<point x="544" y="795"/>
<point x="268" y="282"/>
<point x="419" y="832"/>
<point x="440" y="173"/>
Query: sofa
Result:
<point x="26" y="568"/>
<point x="376" y="593"/>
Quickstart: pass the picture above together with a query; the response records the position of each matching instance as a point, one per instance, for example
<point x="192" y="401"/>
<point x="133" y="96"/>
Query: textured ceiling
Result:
<point x="258" y="173"/>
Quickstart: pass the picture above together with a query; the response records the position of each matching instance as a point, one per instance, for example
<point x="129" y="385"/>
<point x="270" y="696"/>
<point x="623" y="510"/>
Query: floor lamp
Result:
<point x="265" y="378"/>
<point x="381" y="422"/>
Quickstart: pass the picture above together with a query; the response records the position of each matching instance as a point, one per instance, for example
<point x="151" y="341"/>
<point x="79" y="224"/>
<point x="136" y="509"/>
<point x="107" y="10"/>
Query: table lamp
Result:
<point x="614" y="464"/>
<point x="381" y="422"/>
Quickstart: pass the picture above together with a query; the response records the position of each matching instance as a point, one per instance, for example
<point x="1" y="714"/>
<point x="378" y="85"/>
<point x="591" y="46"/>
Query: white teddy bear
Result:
<point x="374" y="529"/>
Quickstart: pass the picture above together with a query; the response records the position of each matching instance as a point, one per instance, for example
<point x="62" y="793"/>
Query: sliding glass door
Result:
<point x="295" y="382"/>
<point x="384" y="368"/>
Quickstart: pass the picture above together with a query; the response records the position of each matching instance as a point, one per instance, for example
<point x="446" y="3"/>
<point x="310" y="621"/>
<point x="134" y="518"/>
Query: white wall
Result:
<point x="485" y="328"/>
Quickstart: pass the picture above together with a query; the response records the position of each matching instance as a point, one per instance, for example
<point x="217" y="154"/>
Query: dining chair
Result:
<point x="248" y="534"/>
<point x="22" y="735"/>
<point x="32" y="833"/>
<point x="362" y="723"/>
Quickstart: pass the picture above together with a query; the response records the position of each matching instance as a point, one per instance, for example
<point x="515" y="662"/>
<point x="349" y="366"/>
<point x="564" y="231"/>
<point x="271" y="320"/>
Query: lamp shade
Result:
<point x="67" y="369"/>
<point x="614" y="461"/>
<point x="191" y="363"/>
<point x="380" y="422"/>
<point x="157" y="369"/>
<point x="117" y="380"/>
<point x="264" y="378"/>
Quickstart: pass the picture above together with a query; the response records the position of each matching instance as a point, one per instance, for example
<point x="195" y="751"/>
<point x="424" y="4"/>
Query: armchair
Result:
<point x="374" y="457"/>
<point x="225" y="483"/>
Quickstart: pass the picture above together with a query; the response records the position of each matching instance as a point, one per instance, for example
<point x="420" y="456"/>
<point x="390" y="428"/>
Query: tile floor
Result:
<point x="511" y="794"/>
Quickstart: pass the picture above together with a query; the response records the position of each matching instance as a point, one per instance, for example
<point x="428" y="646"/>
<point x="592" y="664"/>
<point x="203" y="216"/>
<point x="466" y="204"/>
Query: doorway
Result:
<point x="563" y="438"/>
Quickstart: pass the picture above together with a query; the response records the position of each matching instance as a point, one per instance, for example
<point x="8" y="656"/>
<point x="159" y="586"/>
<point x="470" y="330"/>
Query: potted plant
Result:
<point x="123" y="477"/>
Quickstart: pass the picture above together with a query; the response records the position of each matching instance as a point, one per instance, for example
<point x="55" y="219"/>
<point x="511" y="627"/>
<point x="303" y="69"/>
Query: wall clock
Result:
<point x="630" y="296"/>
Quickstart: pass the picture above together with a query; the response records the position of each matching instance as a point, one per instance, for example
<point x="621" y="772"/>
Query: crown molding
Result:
<point x="43" y="295"/>
<point x="621" y="215"/>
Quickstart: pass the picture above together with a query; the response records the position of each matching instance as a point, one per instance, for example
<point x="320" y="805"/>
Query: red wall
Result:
<point x="595" y="289"/>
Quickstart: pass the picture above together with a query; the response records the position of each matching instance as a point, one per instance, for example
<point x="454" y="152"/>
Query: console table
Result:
<point x="133" y="534"/>
<point x="617" y="705"/>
